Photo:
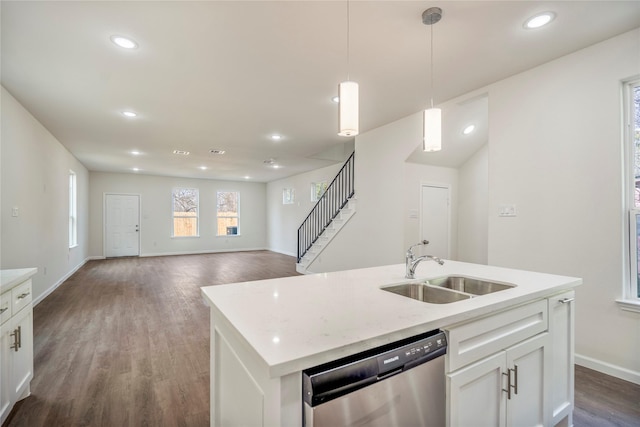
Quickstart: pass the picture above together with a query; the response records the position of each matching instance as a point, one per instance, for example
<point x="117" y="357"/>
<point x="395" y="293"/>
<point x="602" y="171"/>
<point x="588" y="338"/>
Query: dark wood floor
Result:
<point x="125" y="342"/>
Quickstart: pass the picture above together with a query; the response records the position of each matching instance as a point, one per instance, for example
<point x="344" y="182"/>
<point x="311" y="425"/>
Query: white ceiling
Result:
<point x="227" y="74"/>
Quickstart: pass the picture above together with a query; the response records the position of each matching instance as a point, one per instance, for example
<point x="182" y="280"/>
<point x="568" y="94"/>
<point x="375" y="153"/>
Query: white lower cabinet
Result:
<point x="505" y="389"/>
<point x="561" y="324"/>
<point x="16" y="349"/>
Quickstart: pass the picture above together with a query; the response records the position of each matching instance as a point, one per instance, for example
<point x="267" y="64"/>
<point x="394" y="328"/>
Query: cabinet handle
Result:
<point x="2" y="310"/>
<point x="508" y="390"/>
<point x="24" y="295"/>
<point x="566" y="300"/>
<point x="16" y="339"/>
<point x="19" y="337"/>
<point x="515" y="381"/>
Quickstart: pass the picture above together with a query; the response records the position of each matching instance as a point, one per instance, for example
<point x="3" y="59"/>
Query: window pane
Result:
<point x="185" y="200"/>
<point x="227" y="203"/>
<point x="636" y="142"/>
<point x="184" y="227"/>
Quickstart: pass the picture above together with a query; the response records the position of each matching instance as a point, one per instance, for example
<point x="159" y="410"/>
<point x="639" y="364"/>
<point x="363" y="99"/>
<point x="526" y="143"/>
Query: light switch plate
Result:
<point x="507" y="210"/>
<point x="14" y="211"/>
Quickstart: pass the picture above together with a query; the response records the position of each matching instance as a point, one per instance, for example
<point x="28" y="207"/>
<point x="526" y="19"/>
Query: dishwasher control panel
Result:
<point x="407" y="356"/>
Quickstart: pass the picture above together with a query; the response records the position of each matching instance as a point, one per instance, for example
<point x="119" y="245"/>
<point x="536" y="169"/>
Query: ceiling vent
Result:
<point x="181" y="152"/>
<point x="217" y="152"/>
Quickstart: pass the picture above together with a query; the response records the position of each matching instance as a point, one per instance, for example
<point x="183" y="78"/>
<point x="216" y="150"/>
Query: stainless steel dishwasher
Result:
<point x="400" y="384"/>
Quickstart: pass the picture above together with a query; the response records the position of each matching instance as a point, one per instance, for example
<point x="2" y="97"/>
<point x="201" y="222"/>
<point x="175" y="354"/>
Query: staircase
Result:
<point x="336" y="206"/>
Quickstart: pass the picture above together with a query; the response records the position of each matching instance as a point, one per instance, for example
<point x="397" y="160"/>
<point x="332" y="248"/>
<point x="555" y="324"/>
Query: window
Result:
<point x="228" y="208"/>
<point x="632" y="138"/>
<point x="185" y="212"/>
<point x="73" y="210"/>
<point x="317" y="190"/>
<point x="288" y="196"/>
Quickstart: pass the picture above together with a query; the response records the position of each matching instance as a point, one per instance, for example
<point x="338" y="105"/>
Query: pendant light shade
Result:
<point x="348" y="118"/>
<point x="432" y="130"/>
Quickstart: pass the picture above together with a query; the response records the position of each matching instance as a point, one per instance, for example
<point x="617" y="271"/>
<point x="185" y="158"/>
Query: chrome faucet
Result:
<point x="411" y="262"/>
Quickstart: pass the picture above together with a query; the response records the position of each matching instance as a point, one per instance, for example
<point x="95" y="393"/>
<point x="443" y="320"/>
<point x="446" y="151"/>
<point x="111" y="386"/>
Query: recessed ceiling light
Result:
<point x="336" y="99"/>
<point x="129" y="114"/>
<point x="539" y="20"/>
<point x="276" y="166"/>
<point x="247" y="177"/>
<point x="135" y="169"/>
<point x="203" y="168"/>
<point x="468" y="129"/>
<point x="276" y="137"/>
<point x="181" y="152"/>
<point x="136" y="152"/>
<point x="124" y="42"/>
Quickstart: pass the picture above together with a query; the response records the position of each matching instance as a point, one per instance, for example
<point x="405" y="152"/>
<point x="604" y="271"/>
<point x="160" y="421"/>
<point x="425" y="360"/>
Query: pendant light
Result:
<point x="348" y="99"/>
<point x="432" y="117"/>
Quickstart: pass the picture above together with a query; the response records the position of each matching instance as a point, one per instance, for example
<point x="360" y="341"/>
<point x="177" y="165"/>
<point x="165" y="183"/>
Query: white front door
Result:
<point x="434" y="220"/>
<point x="122" y="225"/>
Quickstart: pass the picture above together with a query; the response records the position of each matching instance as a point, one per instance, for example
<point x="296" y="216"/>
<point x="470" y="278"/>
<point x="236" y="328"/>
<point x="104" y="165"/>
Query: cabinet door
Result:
<point x="528" y="369"/>
<point x="475" y="394"/>
<point x="6" y="341"/>
<point x="561" y="324"/>
<point x="22" y="360"/>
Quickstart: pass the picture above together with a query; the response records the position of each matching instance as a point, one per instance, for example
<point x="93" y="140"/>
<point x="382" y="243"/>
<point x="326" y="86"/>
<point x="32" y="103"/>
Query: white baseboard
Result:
<point x="608" y="368"/>
<point x="283" y="252"/>
<point x="216" y="251"/>
<point x="53" y="287"/>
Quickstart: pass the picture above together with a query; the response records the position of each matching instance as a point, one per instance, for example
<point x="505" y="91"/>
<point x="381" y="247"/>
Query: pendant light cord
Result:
<point x="348" y="33"/>
<point x="431" y="64"/>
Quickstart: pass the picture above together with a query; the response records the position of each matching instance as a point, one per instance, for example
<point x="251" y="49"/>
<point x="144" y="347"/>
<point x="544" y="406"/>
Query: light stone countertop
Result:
<point x="294" y="323"/>
<point x="11" y="278"/>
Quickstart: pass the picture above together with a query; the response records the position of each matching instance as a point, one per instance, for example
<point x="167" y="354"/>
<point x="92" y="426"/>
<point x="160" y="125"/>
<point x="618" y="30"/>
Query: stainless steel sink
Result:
<point x="469" y="285"/>
<point x="425" y="293"/>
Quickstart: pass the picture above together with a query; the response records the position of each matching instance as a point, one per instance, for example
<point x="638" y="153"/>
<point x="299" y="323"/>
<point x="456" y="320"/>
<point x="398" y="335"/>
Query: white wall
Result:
<point x="473" y="199"/>
<point x="156" y="216"/>
<point x="283" y="220"/>
<point x="387" y="188"/>
<point x="555" y="152"/>
<point x="35" y="180"/>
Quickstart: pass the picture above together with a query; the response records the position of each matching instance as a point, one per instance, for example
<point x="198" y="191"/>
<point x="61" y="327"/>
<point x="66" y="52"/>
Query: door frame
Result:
<point x="448" y="188"/>
<point x="104" y="219"/>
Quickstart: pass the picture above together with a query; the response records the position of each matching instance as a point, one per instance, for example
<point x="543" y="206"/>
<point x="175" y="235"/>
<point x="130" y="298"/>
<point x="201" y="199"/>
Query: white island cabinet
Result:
<point x="265" y="333"/>
<point x="16" y="337"/>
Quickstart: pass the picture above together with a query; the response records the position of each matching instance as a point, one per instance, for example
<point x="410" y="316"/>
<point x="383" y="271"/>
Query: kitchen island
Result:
<point x="264" y="333"/>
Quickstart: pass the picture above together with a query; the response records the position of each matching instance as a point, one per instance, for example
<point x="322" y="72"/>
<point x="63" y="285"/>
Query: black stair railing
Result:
<point x="328" y="207"/>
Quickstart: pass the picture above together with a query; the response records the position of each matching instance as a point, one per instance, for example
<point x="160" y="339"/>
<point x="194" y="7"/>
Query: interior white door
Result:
<point x="434" y="220"/>
<point x="122" y="225"/>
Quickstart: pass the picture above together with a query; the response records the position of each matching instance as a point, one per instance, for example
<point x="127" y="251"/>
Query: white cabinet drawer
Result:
<point x="5" y="307"/>
<point x="21" y="296"/>
<point x="472" y="341"/>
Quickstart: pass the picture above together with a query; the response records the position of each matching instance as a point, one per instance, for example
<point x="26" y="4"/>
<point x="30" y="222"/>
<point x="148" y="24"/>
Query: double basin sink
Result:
<point x="444" y="290"/>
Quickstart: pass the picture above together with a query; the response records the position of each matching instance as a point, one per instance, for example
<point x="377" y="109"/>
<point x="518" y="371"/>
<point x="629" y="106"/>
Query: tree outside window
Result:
<point x="185" y="212"/>
<point x="228" y="217"/>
